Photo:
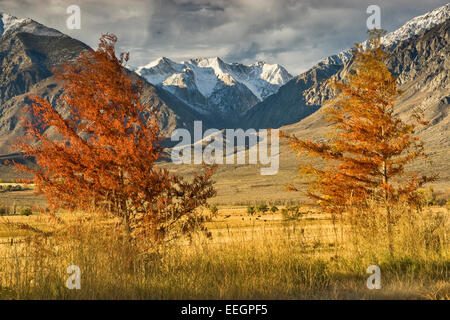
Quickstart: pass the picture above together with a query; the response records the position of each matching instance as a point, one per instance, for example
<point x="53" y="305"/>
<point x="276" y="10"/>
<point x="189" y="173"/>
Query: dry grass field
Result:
<point x="259" y="256"/>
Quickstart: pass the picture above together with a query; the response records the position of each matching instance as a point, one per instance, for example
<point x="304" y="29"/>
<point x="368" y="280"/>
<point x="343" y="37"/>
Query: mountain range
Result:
<point x="212" y="86"/>
<point x="304" y="94"/>
<point x="226" y="95"/>
<point x="28" y="53"/>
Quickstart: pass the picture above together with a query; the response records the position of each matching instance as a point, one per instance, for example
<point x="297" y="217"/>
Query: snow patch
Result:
<point x="8" y="22"/>
<point x="410" y="29"/>
<point x="261" y="78"/>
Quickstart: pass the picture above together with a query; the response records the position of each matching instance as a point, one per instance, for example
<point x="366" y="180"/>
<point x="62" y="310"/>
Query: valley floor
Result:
<point x="259" y="256"/>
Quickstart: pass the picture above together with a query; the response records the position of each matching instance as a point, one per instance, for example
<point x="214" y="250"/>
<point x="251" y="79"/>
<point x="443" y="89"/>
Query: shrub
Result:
<point x="26" y="212"/>
<point x="294" y="209"/>
<point x="262" y="208"/>
<point x="291" y="212"/>
<point x="213" y="209"/>
<point x="285" y="213"/>
<point x="428" y="197"/>
<point x="251" y="210"/>
<point x="273" y="209"/>
<point x="10" y="188"/>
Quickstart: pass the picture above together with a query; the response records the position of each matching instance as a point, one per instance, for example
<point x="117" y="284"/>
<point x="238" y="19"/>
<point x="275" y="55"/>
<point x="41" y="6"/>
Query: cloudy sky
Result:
<point x="295" y="34"/>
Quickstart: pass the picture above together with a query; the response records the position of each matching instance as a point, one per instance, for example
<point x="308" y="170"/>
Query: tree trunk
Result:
<point x="126" y="224"/>
<point x="388" y="210"/>
<point x="390" y="232"/>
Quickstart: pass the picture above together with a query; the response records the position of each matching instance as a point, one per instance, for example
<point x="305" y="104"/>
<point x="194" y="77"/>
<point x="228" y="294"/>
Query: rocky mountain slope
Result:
<point x="212" y="86"/>
<point x="28" y="53"/>
<point x="305" y="93"/>
<point x="422" y="67"/>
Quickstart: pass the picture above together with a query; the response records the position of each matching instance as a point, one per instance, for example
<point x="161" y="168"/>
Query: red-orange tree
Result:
<point x="369" y="146"/>
<point x="106" y="147"/>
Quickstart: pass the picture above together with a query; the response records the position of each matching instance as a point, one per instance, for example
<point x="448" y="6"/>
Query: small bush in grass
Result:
<point x="273" y="209"/>
<point x="262" y="208"/>
<point x="285" y="213"/>
<point x="441" y="202"/>
<point x="251" y="210"/>
<point x="291" y="212"/>
<point x="213" y="209"/>
<point x="26" y="212"/>
<point x="3" y="211"/>
<point x="294" y="209"/>
<point x="10" y="188"/>
<point x="428" y="197"/>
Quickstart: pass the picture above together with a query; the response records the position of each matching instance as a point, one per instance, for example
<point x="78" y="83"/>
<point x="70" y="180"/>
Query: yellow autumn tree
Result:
<point x="369" y="146"/>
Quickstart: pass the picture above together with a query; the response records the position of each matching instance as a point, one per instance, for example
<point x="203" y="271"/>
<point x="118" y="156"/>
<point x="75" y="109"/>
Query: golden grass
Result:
<point x="249" y="257"/>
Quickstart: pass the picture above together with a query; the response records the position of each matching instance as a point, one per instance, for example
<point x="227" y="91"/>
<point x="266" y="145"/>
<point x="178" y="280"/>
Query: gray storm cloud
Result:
<point x="295" y="34"/>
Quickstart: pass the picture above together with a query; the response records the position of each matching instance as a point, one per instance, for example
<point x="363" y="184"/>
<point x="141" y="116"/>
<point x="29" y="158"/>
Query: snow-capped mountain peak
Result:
<point x="159" y="70"/>
<point x="411" y="28"/>
<point x="418" y="25"/>
<point x="273" y="73"/>
<point x="211" y="79"/>
<point x="8" y="22"/>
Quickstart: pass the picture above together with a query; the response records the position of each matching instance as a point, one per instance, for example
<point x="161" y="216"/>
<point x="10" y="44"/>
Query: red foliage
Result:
<point x="107" y="146"/>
